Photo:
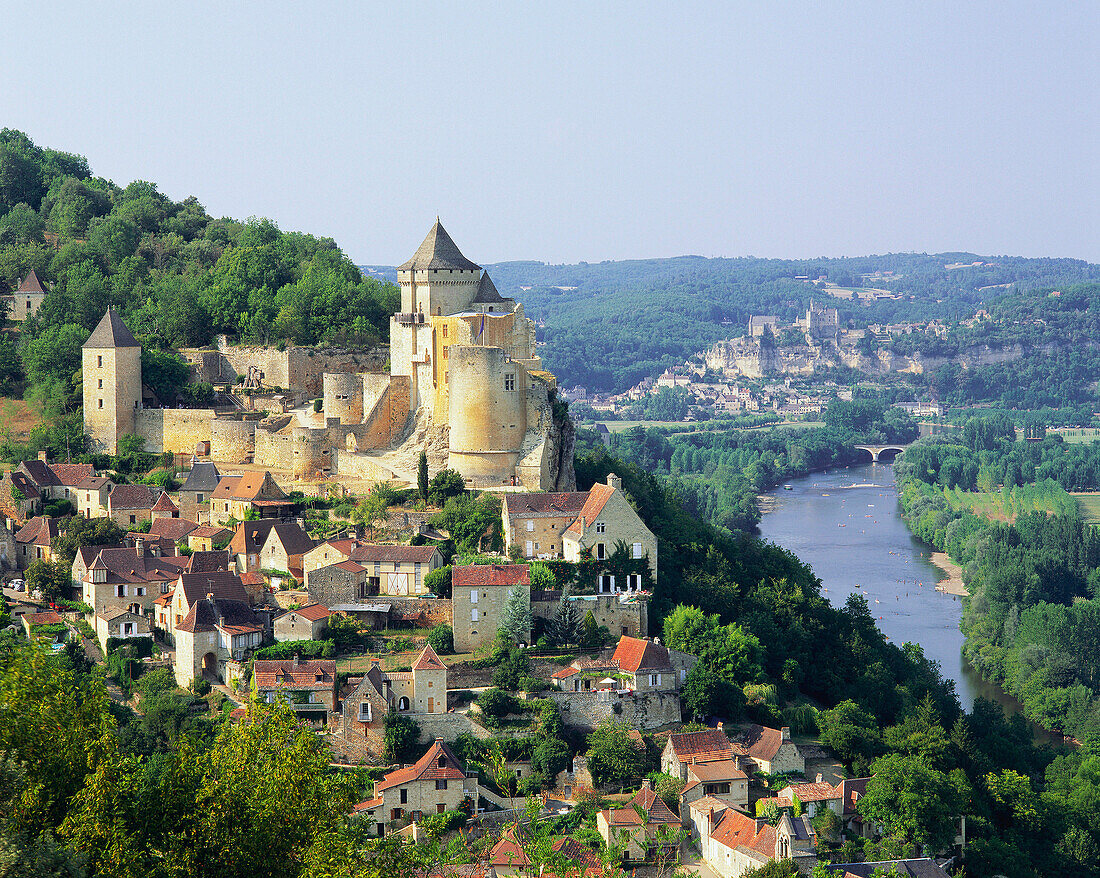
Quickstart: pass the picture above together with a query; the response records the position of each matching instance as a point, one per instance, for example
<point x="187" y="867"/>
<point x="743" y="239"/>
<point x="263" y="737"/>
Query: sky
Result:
<point x="564" y="131"/>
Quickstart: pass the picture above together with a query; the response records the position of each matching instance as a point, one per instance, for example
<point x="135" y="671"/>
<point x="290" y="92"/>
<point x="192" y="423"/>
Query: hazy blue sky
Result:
<point x="569" y="131"/>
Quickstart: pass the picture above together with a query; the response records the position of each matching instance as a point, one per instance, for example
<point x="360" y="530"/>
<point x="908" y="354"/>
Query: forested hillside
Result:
<point x="626" y="320"/>
<point x="178" y="275"/>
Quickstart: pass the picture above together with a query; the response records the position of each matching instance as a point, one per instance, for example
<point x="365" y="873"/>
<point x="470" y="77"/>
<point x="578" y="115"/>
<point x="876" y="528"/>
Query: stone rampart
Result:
<point x="233" y="437"/>
<point x="176" y="430"/>
<point x="639" y="710"/>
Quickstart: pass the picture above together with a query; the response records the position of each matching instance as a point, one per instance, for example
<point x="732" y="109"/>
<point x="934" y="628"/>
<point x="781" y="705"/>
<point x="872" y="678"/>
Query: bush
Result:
<point x="156" y="682"/>
<point x="74" y="606"/>
<point x="437" y="825"/>
<point x="306" y="649"/>
<point x="496" y="703"/>
<point x="511" y="670"/>
<point x="138" y="647"/>
<point x="438" y="582"/>
<point x="318" y="404"/>
<point x="442" y="639"/>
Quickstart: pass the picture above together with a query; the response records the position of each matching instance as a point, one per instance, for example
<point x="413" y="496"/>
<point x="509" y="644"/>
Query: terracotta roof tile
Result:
<point x="174" y="529"/>
<point x="546" y="505"/>
<point x="31" y="284"/>
<point x="759" y="742"/>
<point x="133" y="497"/>
<point x="284" y="673"/>
<point x="490" y="574"/>
<point x="312" y="612"/>
<point x="637" y="654"/>
<point x="426" y="768"/>
<point x="593" y="506"/>
<point x="164" y="504"/>
<point x="71" y="474"/>
<point x="706" y="744"/>
<point x="366" y="553"/>
<point x="38" y="531"/>
<point x="428" y="660"/>
<point x="651" y="804"/>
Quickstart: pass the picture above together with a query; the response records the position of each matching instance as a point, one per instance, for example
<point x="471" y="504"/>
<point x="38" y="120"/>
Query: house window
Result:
<point x="473" y="615"/>
<point x="600" y="527"/>
<point x="473" y="596"/>
<point x="530" y="548"/>
<point x="441" y="762"/>
<point x="444" y="330"/>
<point x="198" y="498"/>
<point x="120" y="591"/>
<point x="654" y="679"/>
<point x="395" y="813"/>
<point x="441" y="784"/>
<point x="510" y="381"/>
<point x="637" y="550"/>
<point x="404" y="797"/>
<point x="530" y="526"/>
<point x="600" y="553"/>
<point x="607" y="582"/>
<point x="133" y="519"/>
<point x="128" y="629"/>
<point x="364" y="712"/>
<point x="140" y="591"/>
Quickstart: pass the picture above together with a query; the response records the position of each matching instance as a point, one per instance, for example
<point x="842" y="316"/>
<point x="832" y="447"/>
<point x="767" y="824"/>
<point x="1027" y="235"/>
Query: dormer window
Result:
<point x="442" y="763"/>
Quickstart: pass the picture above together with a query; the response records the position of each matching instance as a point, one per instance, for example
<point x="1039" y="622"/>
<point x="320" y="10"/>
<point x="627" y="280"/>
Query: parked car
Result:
<point x="18" y="585"/>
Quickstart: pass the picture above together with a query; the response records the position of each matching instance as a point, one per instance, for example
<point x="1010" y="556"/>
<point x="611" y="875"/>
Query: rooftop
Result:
<point x="438" y="252"/>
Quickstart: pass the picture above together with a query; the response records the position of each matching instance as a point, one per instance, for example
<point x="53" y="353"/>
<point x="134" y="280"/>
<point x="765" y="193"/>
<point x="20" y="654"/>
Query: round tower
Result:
<point x="343" y="392"/>
<point x="488" y="413"/>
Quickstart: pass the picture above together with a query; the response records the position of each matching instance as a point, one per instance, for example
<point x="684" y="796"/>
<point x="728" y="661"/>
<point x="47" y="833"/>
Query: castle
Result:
<point x="465" y="383"/>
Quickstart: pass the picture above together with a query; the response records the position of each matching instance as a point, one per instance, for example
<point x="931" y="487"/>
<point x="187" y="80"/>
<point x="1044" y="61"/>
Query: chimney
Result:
<point x="375" y="664"/>
<point x="42" y="456"/>
<point x="720" y="726"/>
<point x="647" y="784"/>
<point x="613" y="481"/>
<point x="819" y="777"/>
<point x="139" y="546"/>
<point x="786" y="733"/>
<point x="295" y="662"/>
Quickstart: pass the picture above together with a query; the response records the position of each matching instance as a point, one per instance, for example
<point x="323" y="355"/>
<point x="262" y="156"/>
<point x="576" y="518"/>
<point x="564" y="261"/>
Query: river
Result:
<point x="846" y="524"/>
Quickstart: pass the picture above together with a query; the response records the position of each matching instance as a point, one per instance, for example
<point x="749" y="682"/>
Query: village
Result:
<point x="420" y="582"/>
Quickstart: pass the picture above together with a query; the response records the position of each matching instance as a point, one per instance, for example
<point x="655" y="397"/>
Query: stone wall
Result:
<point x="360" y="466"/>
<point x="620" y="617"/>
<point x="233" y="437"/>
<point x="176" y="430"/>
<point x="645" y="711"/>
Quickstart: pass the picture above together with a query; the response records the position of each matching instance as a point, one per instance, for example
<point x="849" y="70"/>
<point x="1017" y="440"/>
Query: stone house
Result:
<point x="284" y="547"/>
<point x="720" y="779"/>
<point x="112" y="578"/>
<point x="435" y="783"/>
<point x="733" y="843"/>
<point x="130" y="505"/>
<point x="34" y="541"/>
<point x="215" y="632"/>
<point x="308" y="686"/>
<point x="643" y="827"/>
<point x="606" y="520"/>
<point x="27" y="298"/>
<point x="121" y="625"/>
<point x="174" y="532"/>
<point x="367" y="570"/>
<point x="537" y="522"/>
<point x="508" y="858"/>
<point x="20" y="483"/>
<point x="204" y="537"/>
<point x="246" y="547"/>
<point x="190" y="588"/>
<point x="165" y="508"/>
<point x="196" y="491"/>
<point x="479" y="594"/>
<point x="305" y="623"/>
<point x="686" y="748"/>
<point x="771" y="751"/>
<point x="56" y="481"/>
<point x="91" y="496"/>
<point x="252" y="493"/>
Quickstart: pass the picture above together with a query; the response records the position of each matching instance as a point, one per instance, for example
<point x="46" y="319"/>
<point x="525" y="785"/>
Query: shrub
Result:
<point x="442" y="639"/>
<point x="200" y="686"/>
<point x="156" y="682"/>
<point x="306" y="649"/>
<point x="438" y="582"/>
<point x="496" y="703"/>
<point x="74" y="606"/>
<point x="138" y="647"/>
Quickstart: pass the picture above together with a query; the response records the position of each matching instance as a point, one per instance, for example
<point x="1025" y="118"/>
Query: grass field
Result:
<point x="17" y="417"/>
<point x="1079" y="435"/>
<point x="1089" y="504"/>
<point x="1004" y="505"/>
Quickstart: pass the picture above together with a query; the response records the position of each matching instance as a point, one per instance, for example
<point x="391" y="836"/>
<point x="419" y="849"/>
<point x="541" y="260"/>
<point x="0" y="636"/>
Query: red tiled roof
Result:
<point x="490" y="574"/>
<point x="312" y="612"/>
<point x="716" y="770"/>
<point x="72" y="474"/>
<point x="508" y="852"/>
<point x="173" y="529"/>
<point x="246" y="487"/>
<point x="759" y="742"/>
<point x="350" y="567"/>
<point x="735" y="829"/>
<point x="252" y="578"/>
<point x="39" y="531"/>
<point x="428" y="660"/>
<point x="637" y="654"/>
<point x="593" y="506"/>
<point x="133" y="497"/>
<point x="812" y="792"/>
<point x="47" y="618"/>
<point x="31" y="284"/>
<point x="270" y="674"/>
<point x="652" y="805"/>
<point x="707" y="744"/>
<point x="164" y="504"/>
<point x="427" y="767"/>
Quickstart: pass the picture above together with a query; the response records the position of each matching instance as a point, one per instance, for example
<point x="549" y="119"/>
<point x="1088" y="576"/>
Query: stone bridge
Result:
<point x="877" y="451"/>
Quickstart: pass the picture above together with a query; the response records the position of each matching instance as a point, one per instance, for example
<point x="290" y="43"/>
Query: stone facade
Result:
<point x="621" y="614"/>
<point x="608" y="519"/>
<point x="639" y="710"/>
<point x="111" y="368"/>
<point x="176" y="430"/>
<point x="478" y="598"/>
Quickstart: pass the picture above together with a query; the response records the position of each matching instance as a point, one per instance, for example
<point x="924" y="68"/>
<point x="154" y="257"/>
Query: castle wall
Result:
<point x="176" y="430"/>
<point x="433" y="291"/>
<point x="488" y="403"/>
<point x="639" y="710"/>
<point x="343" y="396"/>
<point x="359" y="466"/>
<point x="233" y="438"/>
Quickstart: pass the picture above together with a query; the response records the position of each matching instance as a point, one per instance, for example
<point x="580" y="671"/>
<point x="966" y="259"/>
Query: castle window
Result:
<point x="510" y="381"/>
<point x="101" y="402"/>
<point x="99" y="362"/>
<point x="444" y="330"/>
<point x="100" y="383"/>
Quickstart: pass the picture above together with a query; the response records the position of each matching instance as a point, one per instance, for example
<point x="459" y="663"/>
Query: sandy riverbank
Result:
<point x="953" y="584"/>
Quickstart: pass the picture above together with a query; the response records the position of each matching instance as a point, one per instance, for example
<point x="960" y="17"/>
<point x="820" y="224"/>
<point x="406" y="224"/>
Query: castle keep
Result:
<point x="465" y="383"/>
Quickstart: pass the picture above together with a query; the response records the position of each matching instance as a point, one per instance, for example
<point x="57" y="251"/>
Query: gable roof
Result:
<point x="312" y="612"/>
<point x="637" y="654"/>
<point x="208" y="562"/>
<point x="706" y="744"/>
<point x="428" y="660"/>
<point x="508" y="852"/>
<point x="437" y="251"/>
<point x="133" y="497"/>
<point x="250" y="536"/>
<point x="124" y="564"/>
<point x="25" y="485"/>
<point x="234" y="616"/>
<point x="270" y="673"/>
<point x="203" y="477"/>
<point x="39" y="472"/>
<point x="174" y="529"/>
<point x="715" y="771"/>
<point x="111" y="332"/>
<point x="490" y="574"/>
<point x="852" y="789"/>
<point x="72" y="474"/>
<point x="735" y="829"/>
<point x="426" y="768"/>
<point x="812" y="792"/>
<point x="759" y="742"/>
<point x="369" y="552"/>
<point x="291" y="537"/>
<point x="164" y="504"/>
<point x="39" y="531"/>
<point x="593" y="506"/>
<point x="248" y="486"/>
<point x="560" y="504"/>
<point x="915" y="868"/>
<point x="652" y="805"/>
<point x="31" y="284"/>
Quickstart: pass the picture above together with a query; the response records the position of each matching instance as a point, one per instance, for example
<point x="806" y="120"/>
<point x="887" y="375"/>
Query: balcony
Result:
<point x="409" y="318"/>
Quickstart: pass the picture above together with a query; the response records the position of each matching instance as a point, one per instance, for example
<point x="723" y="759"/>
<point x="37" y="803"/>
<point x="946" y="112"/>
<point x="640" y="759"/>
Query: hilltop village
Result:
<point x="391" y="546"/>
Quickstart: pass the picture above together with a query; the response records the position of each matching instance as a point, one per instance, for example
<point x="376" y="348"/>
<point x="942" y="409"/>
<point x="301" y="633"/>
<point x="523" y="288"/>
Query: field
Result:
<point x="17" y="417"/>
<point x="1089" y="504"/>
<point x="1004" y="505"/>
<point x="1079" y="435"/>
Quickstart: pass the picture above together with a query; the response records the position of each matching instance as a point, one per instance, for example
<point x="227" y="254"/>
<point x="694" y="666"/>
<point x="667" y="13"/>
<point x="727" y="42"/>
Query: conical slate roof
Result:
<point x="438" y="251"/>
<point x="31" y="284"/>
<point x="487" y="291"/>
<point x="111" y="333"/>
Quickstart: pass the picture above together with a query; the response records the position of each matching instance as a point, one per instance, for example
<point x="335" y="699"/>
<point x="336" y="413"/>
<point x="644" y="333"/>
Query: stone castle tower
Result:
<point x="111" y="359"/>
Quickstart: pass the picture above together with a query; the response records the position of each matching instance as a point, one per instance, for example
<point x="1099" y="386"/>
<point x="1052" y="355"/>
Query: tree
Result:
<point x="445" y="484"/>
<point x="515" y="620"/>
<point x="910" y="800"/>
<point x="422" y="476"/>
<point x="590" y="631"/>
<point x="472" y="522"/>
<point x="401" y="734"/>
<point x="53" y="578"/>
<point x="438" y="582"/>
<point x="565" y="627"/>
<point x="442" y="639"/>
<point x="371" y="511"/>
<point x="850" y="731"/>
<point x="613" y="757"/>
